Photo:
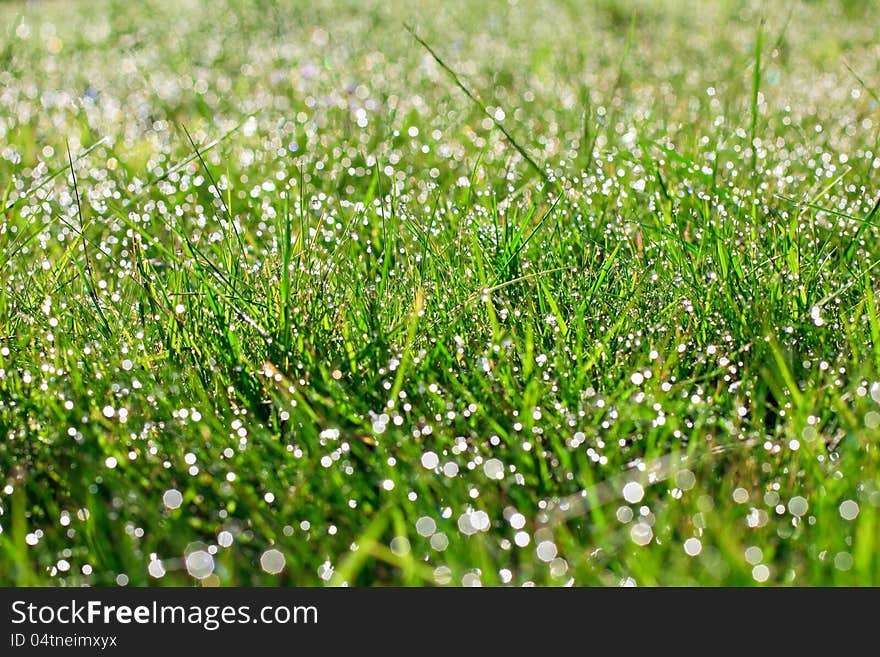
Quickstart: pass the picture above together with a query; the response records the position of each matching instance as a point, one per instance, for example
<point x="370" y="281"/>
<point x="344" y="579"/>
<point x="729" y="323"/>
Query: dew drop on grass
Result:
<point x="798" y="506"/>
<point x="760" y="573"/>
<point x="400" y="546"/>
<point x="843" y="561"/>
<point x="325" y="571"/>
<point x="685" y="479"/>
<point x="225" y="539"/>
<point x="272" y="561"/>
<point x="156" y="569"/>
<point x="426" y="526"/>
<point x="430" y="460"/>
<point x="494" y="469"/>
<point x="442" y="575"/>
<point x="558" y="567"/>
<point x="693" y="547"/>
<point x="641" y="533"/>
<point x="849" y="510"/>
<point x="740" y="496"/>
<point x="757" y="518"/>
<point x="633" y="492"/>
<point x="546" y="551"/>
<point x="465" y="526"/>
<point x="754" y="555"/>
<point x="172" y="499"/>
<point x="199" y="564"/>
<point x="480" y="521"/>
<point x="439" y="541"/>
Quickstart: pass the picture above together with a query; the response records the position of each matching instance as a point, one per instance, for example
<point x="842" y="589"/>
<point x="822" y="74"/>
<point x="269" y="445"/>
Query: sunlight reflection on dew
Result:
<point x="172" y="498"/>
<point x="439" y="541"/>
<point x="517" y="521"/>
<point x="849" y="510"/>
<point x="843" y="561"/>
<point x="760" y="573"/>
<point x="754" y="555"/>
<point x="624" y="514"/>
<point x="430" y="460"/>
<point x="740" y="496"/>
<point x="798" y="506"/>
<point x="685" y="480"/>
<point x="426" y="526"/>
<point x="442" y="575"/>
<point x="400" y="546"/>
<point x="546" y="550"/>
<point x="641" y="533"/>
<point x="156" y="569"/>
<point x="199" y="564"/>
<point x="693" y="547"/>
<point x="494" y="469"/>
<point x="272" y="561"/>
<point x="633" y="492"/>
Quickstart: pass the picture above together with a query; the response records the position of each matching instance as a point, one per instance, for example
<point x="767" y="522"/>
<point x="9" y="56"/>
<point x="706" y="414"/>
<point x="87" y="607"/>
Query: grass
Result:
<point x="422" y="293"/>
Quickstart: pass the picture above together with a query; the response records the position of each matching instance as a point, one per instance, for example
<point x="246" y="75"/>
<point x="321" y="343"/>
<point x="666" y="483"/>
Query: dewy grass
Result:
<point x="296" y="310"/>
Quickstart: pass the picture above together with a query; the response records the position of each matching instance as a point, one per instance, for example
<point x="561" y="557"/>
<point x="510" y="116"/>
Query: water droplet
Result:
<point x="754" y="555"/>
<point x="843" y="561"/>
<point x="849" y="510"/>
<point x="156" y="569"/>
<point x="426" y="526"/>
<point x="641" y="533"/>
<point x="685" y="479"/>
<point x="272" y="561"/>
<point x="760" y="573"/>
<point x="494" y="469"/>
<point x="199" y="564"/>
<point x="400" y="546"/>
<point x="172" y="499"/>
<point x="430" y="460"/>
<point x="439" y="541"/>
<point x="798" y="506"/>
<point x="546" y="551"/>
<point x="633" y="492"/>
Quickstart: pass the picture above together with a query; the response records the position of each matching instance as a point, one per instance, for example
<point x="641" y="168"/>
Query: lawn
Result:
<point x="439" y="293"/>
